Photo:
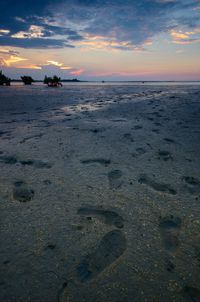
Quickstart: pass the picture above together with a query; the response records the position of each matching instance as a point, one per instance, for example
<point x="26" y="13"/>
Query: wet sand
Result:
<point x="100" y="193"/>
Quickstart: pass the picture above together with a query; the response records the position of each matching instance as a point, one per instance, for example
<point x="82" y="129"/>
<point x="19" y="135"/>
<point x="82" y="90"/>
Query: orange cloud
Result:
<point x="66" y="67"/>
<point x="57" y="64"/>
<point x="184" y="38"/>
<point x="11" y="60"/>
<point x="103" y="43"/>
<point x="30" y="67"/>
<point x="77" y="72"/>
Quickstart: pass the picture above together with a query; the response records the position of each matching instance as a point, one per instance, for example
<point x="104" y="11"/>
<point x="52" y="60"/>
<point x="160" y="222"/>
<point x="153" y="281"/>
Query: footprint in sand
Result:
<point x="169" y="265"/>
<point x="137" y="127"/>
<point x="114" y="178"/>
<point x="160" y="187"/>
<point x="164" y="155"/>
<point x="170" y="229"/>
<point x="192" y="184"/>
<point x="129" y="137"/>
<point x="139" y="152"/>
<point x="110" y="248"/>
<point x="193" y="293"/>
<point x="101" y="161"/>
<point x="10" y="160"/>
<point x="22" y="193"/>
<point x="36" y="163"/>
<point x="97" y="130"/>
<point x="169" y="140"/>
<point x="106" y="216"/>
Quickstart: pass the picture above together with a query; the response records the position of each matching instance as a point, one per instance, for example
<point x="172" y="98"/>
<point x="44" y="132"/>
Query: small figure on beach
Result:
<point x="52" y="82"/>
<point x="4" y="81"/>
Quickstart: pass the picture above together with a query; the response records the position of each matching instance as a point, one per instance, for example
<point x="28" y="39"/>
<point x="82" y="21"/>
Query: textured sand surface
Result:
<point x="100" y="193"/>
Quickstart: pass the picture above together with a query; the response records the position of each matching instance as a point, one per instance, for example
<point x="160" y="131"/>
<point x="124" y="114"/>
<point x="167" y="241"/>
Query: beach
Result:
<point x="100" y="193"/>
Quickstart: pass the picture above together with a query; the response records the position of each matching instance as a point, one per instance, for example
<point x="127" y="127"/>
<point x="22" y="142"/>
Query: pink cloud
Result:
<point x="77" y="72"/>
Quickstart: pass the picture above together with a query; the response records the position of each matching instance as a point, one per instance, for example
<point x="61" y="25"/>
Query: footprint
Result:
<point x="22" y="193"/>
<point x="137" y="127"/>
<point x="156" y="131"/>
<point x="140" y="151"/>
<point x="169" y="140"/>
<point x="164" y="155"/>
<point x="47" y="182"/>
<point x="50" y="246"/>
<point x="169" y="265"/>
<point x="193" y="293"/>
<point x="170" y="228"/>
<point x="106" y="216"/>
<point x="11" y="160"/>
<point x="97" y="130"/>
<point x="110" y="248"/>
<point x="129" y="137"/>
<point x="160" y="187"/>
<point x="36" y="163"/>
<point x="192" y="184"/>
<point x="31" y="137"/>
<point x="114" y="178"/>
<point x="100" y="161"/>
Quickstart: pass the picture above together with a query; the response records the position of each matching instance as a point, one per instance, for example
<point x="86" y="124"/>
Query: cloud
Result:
<point x="5" y="51"/>
<point x="4" y="32"/>
<point x="11" y="60"/>
<point x="93" y="42"/>
<point x="33" y="20"/>
<point x="8" y="57"/>
<point x="57" y="64"/>
<point x="34" y="31"/>
<point x="124" y="24"/>
<point x="127" y="24"/>
<point x="31" y="66"/>
<point x="77" y="72"/>
<point x="66" y="67"/>
<point x="187" y="37"/>
<point x="38" y="43"/>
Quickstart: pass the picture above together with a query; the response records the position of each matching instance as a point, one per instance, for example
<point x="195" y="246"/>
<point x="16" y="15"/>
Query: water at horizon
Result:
<point x="128" y="83"/>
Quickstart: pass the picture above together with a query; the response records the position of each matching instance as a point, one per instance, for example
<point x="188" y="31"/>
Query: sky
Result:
<point x="101" y="39"/>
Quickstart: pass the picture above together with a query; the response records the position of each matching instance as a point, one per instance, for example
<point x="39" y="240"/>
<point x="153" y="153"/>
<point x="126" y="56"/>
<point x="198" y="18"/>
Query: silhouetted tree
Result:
<point x="52" y="82"/>
<point x="4" y="80"/>
<point x="47" y="80"/>
<point x="27" y="80"/>
<point x="56" y="79"/>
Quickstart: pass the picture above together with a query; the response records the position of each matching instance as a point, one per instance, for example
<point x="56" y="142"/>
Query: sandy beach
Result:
<point x="100" y="193"/>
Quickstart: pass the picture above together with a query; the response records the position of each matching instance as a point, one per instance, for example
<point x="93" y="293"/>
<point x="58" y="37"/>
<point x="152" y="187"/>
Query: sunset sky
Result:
<point x="101" y="39"/>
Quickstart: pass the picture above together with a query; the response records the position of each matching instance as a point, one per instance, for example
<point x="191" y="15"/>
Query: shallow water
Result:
<point x="100" y="193"/>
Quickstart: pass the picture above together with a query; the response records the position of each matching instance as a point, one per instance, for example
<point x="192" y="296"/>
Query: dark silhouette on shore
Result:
<point x="73" y="80"/>
<point x="53" y="82"/>
<point x="27" y="80"/>
<point x="4" y="80"/>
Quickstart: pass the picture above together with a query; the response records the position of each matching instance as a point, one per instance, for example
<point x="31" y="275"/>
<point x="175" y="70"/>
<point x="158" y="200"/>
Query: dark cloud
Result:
<point x="131" y="21"/>
<point x="34" y="43"/>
